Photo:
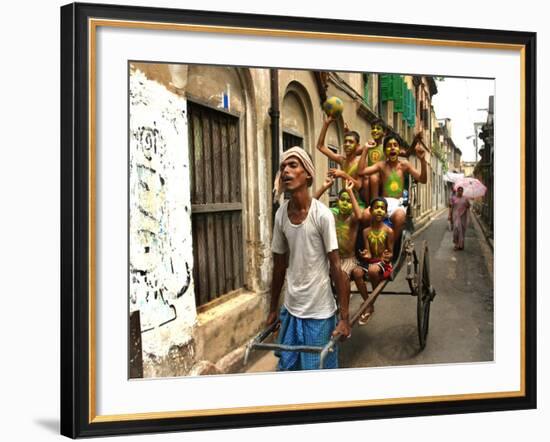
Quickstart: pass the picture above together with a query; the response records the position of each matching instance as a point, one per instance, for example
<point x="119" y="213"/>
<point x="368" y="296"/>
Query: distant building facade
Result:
<point x="484" y="169"/>
<point x="467" y="167"/>
<point x="449" y="151"/>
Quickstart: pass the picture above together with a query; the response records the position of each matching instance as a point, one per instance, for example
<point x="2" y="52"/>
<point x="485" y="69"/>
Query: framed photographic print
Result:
<point x="275" y="220"/>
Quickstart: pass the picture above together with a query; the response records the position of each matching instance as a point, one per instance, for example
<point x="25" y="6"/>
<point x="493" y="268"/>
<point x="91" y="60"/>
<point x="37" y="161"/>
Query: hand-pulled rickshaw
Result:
<point x="417" y="267"/>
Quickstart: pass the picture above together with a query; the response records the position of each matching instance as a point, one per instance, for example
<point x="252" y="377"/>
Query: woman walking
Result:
<point x="458" y="216"/>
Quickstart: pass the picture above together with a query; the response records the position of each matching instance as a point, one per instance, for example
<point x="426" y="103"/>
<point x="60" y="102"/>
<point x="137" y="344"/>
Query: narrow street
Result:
<point x="461" y="318"/>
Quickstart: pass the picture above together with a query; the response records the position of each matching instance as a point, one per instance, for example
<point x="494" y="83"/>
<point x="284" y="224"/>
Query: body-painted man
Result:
<point x="347" y="217"/>
<point x="377" y="254"/>
<point x="349" y="162"/>
<point x="304" y="232"/>
<point x="375" y="153"/>
<point x="392" y="173"/>
<point x="370" y="187"/>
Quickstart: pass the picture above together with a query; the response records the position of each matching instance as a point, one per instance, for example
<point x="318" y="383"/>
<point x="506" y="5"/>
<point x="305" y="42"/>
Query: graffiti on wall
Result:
<point x="160" y="248"/>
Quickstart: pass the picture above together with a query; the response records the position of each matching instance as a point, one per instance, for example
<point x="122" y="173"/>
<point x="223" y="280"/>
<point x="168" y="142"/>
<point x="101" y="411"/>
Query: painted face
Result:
<point x="377" y="131"/>
<point x="293" y="174"/>
<point x="344" y="204"/>
<point x="392" y="150"/>
<point x="459" y="192"/>
<point x="379" y="210"/>
<point x="350" y="145"/>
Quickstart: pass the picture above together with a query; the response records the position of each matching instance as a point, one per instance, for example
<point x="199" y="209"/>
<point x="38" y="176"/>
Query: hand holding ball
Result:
<point x="333" y="107"/>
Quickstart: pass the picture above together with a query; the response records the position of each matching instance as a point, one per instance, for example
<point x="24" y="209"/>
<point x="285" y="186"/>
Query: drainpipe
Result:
<point x="274" y="113"/>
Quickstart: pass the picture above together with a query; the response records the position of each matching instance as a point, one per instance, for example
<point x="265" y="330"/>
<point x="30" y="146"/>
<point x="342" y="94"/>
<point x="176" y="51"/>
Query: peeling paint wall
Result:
<point x="259" y="134"/>
<point x="160" y="248"/>
<point x="293" y="116"/>
<point x="210" y="83"/>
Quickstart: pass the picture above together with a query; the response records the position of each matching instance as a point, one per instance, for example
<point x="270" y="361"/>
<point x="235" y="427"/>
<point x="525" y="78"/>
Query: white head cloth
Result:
<point x="304" y="158"/>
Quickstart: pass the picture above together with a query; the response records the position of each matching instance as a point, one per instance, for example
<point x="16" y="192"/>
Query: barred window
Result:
<point x="216" y="202"/>
<point x="337" y="186"/>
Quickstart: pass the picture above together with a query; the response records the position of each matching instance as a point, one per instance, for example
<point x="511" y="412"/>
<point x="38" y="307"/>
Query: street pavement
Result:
<point x="461" y="317"/>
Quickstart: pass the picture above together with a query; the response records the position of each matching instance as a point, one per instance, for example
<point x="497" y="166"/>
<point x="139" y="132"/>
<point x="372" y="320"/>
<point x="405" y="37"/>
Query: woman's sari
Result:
<point x="460" y="206"/>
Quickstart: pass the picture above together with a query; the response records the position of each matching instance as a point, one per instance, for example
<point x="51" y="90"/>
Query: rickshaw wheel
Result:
<point x="424" y="295"/>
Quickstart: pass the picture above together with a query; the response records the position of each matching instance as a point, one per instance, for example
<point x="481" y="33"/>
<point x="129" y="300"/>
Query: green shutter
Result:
<point x="406" y="104"/>
<point x="386" y="87"/>
<point x="398" y="92"/>
<point x="412" y="120"/>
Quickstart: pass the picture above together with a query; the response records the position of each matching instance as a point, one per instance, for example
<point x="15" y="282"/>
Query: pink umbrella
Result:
<point x="473" y="188"/>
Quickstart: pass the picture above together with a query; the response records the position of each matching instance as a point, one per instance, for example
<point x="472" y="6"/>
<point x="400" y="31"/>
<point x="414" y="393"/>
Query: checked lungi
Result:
<point x="299" y="331"/>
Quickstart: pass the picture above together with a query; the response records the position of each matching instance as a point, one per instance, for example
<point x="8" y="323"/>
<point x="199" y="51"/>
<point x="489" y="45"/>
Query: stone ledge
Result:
<point x="226" y="327"/>
<point x="231" y="363"/>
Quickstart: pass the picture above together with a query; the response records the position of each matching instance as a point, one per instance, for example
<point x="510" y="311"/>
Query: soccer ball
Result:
<point x="333" y="106"/>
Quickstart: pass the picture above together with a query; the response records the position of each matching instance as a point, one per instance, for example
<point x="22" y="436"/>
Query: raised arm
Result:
<point x="422" y="176"/>
<point x="279" y="271"/>
<point x="356" y="209"/>
<point x="368" y="145"/>
<point x="329" y="181"/>
<point x="321" y="142"/>
<point x="418" y="138"/>
<point x="339" y="173"/>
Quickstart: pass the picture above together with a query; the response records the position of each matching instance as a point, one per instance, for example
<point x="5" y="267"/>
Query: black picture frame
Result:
<point x="77" y="418"/>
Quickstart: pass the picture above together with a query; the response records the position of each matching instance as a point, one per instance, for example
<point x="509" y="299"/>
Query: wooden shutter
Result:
<point x="411" y="118"/>
<point x="407" y="105"/>
<point x="398" y="92"/>
<point x="386" y="87"/>
<point x="216" y="202"/>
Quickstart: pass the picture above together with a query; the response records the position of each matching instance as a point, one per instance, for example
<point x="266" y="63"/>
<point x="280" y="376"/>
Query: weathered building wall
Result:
<point x="438" y="164"/>
<point x="259" y="133"/>
<point x="300" y="112"/>
<point x="348" y="86"/>
<point x="160" y="246"/>
<point x="194" y="341"/>
<point x="428" y="196"/>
